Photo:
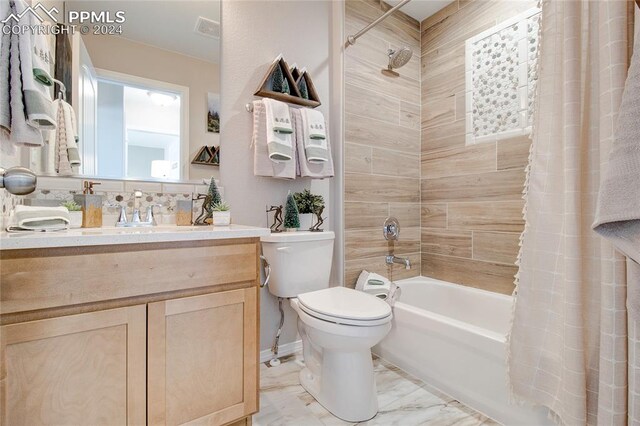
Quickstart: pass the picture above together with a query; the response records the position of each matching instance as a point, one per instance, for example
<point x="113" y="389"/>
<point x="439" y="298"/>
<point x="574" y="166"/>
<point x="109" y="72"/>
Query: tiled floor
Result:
<point x="404" y="400"/>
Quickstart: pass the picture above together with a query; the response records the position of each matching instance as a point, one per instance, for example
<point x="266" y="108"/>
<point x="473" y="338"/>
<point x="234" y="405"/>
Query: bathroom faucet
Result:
<point x="136" y="220"/>
<point x="391" y="259"/>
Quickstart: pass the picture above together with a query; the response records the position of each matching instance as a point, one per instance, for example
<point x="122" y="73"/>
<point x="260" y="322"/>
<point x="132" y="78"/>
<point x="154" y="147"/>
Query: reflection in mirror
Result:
<point x="141" y="93"/>
<point x="139" y="128"/>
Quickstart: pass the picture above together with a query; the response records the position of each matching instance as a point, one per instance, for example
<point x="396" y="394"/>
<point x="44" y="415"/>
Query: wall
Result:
<point x="471" y="195"/>
<point x="253" y="34"/>
<point x="382" y="142"/>
<point x="158" y="64"/>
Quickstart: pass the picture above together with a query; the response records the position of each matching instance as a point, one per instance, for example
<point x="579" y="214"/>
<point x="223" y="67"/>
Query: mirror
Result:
<point x="143" y="81"/>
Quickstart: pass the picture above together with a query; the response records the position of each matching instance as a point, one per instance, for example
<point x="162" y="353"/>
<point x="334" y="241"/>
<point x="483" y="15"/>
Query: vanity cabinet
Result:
<point x="202" y="362"/>
<point x="177" y="346"/>
<point x="75" y="370"/>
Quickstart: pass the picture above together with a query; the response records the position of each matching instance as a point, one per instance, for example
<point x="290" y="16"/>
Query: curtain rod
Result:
<point x="352" y="38"/>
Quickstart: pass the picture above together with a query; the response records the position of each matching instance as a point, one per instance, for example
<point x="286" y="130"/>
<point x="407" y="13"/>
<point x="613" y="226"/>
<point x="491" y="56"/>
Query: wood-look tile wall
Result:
<point x="382" y="142"/>
<point x="471" y="195"/>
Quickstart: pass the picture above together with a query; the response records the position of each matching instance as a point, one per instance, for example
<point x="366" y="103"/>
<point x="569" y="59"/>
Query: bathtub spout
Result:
<point x="391" y="259"/>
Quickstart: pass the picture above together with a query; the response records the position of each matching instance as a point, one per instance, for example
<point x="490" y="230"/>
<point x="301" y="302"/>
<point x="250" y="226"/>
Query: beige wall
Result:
<point x="129" y="57"/>
<point x="382" y="142"/>
<point x="471" y="196"/>
<point x="252" y="36"/>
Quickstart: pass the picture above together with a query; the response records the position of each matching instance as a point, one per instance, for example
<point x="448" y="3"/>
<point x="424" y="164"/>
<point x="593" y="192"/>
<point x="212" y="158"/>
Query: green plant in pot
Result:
<point x="75" y="214"/>
<point x="308" y="205"/>
<point x="221" y="214"/>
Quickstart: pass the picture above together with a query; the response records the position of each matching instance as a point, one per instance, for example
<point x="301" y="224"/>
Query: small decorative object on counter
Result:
<point x="184" y="212"/>
<point x="291" y="214"/>
<point x="91" y="205"/>
<point x="308" y="204"/>
<point x="221" y="214"/>
<point x="320" y="220"/>
<point x="277" y="218"/>
<point x="75" y="214"/>
<point x="211" y="198"/>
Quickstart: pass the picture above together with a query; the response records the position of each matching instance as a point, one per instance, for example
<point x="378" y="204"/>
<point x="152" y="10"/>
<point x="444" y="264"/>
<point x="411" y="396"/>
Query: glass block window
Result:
<point x="501" y="78"/>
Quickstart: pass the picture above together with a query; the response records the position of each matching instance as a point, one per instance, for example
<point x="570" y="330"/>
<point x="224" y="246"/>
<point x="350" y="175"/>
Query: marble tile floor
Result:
<point x="403" y="399"/>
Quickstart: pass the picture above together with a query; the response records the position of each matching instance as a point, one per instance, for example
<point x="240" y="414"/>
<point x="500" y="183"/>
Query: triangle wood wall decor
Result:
<point x="265" y="90"/>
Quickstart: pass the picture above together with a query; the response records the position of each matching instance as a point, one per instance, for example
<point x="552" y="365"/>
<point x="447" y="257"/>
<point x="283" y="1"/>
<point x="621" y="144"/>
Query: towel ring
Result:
<point x="62" y="91"/>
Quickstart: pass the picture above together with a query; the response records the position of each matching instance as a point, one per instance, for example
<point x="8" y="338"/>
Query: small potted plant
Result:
<point x="75" y="213"/>
<point x="308" y="204"/>
<point x="221" y="214"/>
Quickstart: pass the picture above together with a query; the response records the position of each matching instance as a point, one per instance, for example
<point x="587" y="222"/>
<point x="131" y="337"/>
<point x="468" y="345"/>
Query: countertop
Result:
<point x="113" y="236"/>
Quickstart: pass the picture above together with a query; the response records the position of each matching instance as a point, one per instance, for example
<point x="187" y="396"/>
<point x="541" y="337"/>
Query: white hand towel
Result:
<point x="314" y="120"/>
<point x="22" y="132"/>
<point x="318" y="170"/>
<point x="37" y="97"/>
<point x="63" y="166"/>
<point x="42" y="60"/>
<point x="315" y="136"/>
<point x="71" y="134"/>
<point x="279" y="130"/>
<point x="262" y="165"/>
<point x="31" y="218"/>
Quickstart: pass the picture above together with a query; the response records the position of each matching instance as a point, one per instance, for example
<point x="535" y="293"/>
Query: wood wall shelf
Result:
<point x="207" y="156"/>
<point x="265" y="90"/>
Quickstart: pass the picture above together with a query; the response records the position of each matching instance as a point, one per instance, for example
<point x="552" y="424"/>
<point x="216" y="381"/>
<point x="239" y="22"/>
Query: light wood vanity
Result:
<point x="158" y="333"/>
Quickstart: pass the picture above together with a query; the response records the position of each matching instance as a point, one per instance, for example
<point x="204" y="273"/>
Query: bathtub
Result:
<point x="453" y="338"/>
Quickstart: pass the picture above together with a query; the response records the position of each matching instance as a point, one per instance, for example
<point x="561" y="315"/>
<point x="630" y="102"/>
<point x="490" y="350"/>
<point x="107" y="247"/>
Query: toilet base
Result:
<point x="346" y="385"/>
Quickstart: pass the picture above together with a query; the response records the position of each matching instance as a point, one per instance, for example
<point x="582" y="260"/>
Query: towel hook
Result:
<point x="62" y="91"/>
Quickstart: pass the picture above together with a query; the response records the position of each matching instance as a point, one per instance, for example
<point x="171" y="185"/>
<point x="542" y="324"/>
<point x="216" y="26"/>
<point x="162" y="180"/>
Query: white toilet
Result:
<point x="338" y="325"/>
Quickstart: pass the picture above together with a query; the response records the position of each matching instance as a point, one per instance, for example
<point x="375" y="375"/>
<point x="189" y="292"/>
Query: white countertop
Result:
<point x="112" y="236"/>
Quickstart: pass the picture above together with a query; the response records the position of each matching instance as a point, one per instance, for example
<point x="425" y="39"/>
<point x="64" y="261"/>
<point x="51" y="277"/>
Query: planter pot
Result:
<point x="290" y="229"/>
<point x="76" y="219"/>
<point x="221" y="218"/>
<point x="306" y="220"/>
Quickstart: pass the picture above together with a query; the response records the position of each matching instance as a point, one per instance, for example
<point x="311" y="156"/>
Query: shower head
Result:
<point x="397" y="59"/>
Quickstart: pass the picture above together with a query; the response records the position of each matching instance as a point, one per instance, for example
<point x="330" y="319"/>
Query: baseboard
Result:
<point x="283" y="350"/>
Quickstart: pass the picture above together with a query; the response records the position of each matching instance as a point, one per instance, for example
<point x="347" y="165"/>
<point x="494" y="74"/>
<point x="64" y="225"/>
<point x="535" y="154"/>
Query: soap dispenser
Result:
<point x="91" y="205"/>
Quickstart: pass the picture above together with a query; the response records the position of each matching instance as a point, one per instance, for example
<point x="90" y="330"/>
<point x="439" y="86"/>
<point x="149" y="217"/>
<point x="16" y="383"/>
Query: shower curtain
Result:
<point x="572" y="347"/>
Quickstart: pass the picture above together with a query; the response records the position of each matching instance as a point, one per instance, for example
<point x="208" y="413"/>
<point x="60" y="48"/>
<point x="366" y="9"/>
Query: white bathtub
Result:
<point x="453" y="337"/>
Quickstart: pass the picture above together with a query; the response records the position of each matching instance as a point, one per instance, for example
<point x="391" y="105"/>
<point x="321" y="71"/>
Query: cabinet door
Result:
<point x="78" y="369"/>
<point x="203" y="358"/>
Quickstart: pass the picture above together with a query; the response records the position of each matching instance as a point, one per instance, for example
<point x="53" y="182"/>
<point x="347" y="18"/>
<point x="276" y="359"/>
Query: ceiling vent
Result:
<point x="207" y="27"/>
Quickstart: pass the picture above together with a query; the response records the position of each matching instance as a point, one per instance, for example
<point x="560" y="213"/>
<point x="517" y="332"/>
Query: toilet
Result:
<point x="338" y="325"/>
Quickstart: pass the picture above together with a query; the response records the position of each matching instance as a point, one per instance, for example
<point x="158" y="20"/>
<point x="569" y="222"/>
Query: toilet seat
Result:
<point x="342" y="305"/>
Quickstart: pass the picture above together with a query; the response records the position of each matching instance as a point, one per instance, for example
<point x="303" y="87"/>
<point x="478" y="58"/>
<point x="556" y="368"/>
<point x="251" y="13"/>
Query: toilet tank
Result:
<point x="300" y="261"/>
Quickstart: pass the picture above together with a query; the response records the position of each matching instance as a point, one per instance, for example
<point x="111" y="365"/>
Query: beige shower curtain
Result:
<point x="572" y="347"/>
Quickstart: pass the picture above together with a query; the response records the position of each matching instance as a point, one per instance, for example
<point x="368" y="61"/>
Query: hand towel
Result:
<point x="315" y="139"/>
<point x="279" y="130"/>
<point x="62" y="164"/>
<point x="37" y="97"/>
<point x="315" y="123"/>
<point x="318" y="170"/>
<point x="22" y="133"/>
<point x="42" y="60"/>
<point x="31" y="218"/>
<point x="71" y="131"/>
<point x="618" y="209"/>
<point x="262" y="165"/>
<point x="5" y="109"/>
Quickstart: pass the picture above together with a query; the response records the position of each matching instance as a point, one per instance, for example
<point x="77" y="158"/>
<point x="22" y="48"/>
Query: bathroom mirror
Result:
<point x="143" y="80"/>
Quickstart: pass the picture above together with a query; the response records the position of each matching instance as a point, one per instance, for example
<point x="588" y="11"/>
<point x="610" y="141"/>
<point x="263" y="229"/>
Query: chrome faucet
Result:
<point x="391" y="259"/>
<point x="136" y="220"/>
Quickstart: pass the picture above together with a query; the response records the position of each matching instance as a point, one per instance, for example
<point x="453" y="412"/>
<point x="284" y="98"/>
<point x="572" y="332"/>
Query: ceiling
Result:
<point x="165" y="24"/>
<point x="421" y="9"/>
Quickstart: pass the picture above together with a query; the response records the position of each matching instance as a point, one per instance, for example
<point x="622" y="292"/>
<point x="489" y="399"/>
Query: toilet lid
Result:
<point x="344" y="305"/>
